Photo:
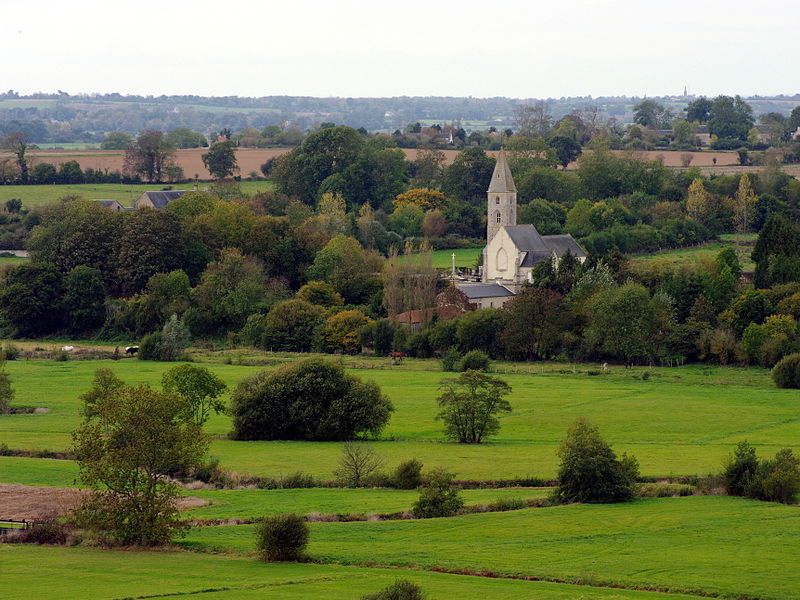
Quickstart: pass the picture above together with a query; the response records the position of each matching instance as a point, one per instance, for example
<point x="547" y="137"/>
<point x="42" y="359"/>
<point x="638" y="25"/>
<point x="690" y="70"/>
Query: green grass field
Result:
<point x="682" y="421"/>
<point x="443" y="259"/>
<point x="33" y="196"/>
<point x="94" y="574"/>
<point x="716" y="545"/>
<point x="697" y="254"/>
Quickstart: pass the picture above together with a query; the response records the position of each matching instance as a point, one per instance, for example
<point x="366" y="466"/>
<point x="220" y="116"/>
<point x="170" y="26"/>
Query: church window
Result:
<point x="497" y="216"/>
<point x="497" y="199"/>
<point x="502" y="260"/>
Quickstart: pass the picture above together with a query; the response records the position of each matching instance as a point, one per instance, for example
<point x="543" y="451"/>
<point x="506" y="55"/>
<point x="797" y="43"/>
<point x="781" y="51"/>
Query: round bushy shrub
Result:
<point x="786" y="374"/>
<point x="590" y="470"/>
<point x="402" y="589"/>
<point x="408" y="475"/>
<point x="150" y="347"/>
<point x="451" y="360"/>
<point x="282" y="538"/>
<point x="439" y="497"/>
<point x="475" y="360"/>
<point x="312" y="399"/>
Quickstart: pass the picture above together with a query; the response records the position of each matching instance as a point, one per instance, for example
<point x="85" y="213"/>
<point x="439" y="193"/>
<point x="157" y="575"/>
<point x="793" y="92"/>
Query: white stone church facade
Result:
<point x="512" y="251"/>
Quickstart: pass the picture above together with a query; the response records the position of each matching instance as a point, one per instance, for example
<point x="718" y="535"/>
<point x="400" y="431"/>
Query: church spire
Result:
<point x="501" y="197"/>
<point x="502" y="181"/>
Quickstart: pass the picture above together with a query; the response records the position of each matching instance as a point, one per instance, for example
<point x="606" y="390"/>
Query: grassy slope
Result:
<point x="443" y="259"/>
<point x="715" y="544"/>
<point x="40" y="195"/>
<point x="51" y="572"/>
<point x="704" y="252"/>
<point x="681" y="421"/>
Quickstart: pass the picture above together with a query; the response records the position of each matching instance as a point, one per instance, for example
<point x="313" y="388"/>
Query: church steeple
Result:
<point x="501" y="197"/>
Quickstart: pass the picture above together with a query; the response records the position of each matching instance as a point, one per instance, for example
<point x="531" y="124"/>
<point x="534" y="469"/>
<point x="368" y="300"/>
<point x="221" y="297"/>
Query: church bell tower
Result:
<point x="502" y="198"/>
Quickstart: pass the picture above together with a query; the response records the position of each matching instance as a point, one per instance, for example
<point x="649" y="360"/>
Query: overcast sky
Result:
<point x="406" y="47"/>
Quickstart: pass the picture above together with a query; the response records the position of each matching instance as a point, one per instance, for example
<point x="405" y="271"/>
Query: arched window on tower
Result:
<point x="497" y="199"/>
<point x="497" y="217"/>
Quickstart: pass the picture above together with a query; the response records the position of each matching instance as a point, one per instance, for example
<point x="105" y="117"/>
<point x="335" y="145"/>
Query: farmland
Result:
<point x="33" y="196"/>
<point x="692" y="256"/>
<point x="671" y="422"/>
<point x="678" y="421"/>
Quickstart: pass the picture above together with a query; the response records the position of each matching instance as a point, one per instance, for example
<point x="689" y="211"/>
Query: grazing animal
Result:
<point x="131" y="349"/>
<point x="397" y="357"/>
<point x="67" y="348"/>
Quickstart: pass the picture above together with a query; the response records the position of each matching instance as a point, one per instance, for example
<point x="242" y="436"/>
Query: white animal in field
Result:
<point x="67" y="348"/>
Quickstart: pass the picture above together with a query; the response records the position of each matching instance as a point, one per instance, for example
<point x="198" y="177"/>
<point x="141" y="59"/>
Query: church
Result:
<point x="512" y="251"/>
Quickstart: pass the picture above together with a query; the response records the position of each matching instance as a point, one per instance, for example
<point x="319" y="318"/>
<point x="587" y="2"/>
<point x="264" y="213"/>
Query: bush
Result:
<point x="357" y="464"/>
<point x="451" y="360"/>
<point x="6" y="390"/>
<point x="11" y="352"/>
<point x="469" y="406"/>
<point x="282" y="538"/>
<point x="150" y="347"/>
<point x="43" y="532"/>
<point x="786" y="374"/>
<point x="590" y="470"/>
<point x="474" y="360"/>
<point x="740" y="469"/>
<point x="408" y="475"/>
<point x="438" y="497"/>
<point x="402" y="589"/>
<point x="776" y="480"/>
<point x="312" y="399"/>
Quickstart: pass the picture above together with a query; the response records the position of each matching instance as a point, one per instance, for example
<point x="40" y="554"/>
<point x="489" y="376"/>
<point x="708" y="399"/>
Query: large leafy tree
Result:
<point x="698" y="110"/>
<point x="536" y="320"/>
<point x="220" y="160"/>
<point x="469" y="406"/>
<point x="32" y="299"/>
<point x="77" y="233"/>
<point x="17" y="143"/>
<point x="626" y="323"/>
<point x="150" y="155"/>
<point x="230" y="290"/>
<point x="730" y="118"/>
<point x="131" y="441"/>
<point x="84" y="299"/>
<point x="199" y="387"/>
<point x="590" y="470"/>
<point x="308" y="400"/>
<point x="151" y="242"/>
<point x="469" y="176"/>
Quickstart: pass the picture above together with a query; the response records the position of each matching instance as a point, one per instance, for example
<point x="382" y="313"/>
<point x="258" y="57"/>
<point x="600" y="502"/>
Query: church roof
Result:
<point x="502" y="181"/>
<point x="526" y="238"/>
<point x="561" y="244"/>
<point x="475" y="291"/>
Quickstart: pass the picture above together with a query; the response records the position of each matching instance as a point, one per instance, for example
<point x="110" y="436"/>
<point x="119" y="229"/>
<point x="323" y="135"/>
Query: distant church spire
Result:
<point x="501" y="198"/>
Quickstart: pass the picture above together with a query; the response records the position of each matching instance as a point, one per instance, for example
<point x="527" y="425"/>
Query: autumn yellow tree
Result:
<point x="700" y="205"/>
<point x="744" y="203"/>
<point x="425" y="198"/>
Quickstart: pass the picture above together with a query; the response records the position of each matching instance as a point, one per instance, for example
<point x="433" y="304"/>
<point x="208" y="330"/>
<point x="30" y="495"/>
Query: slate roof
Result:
<point x="110" y="204"/>
<point x="561" y="244"/>
<point x="501" y="178"/>
<point x="476" y="291"/>
<point x="527" y="239"/>
<point x="161" y="199"/>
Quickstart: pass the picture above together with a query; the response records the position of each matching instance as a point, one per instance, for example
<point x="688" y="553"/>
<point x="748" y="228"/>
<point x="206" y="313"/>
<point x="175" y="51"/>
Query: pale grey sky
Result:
<point x="407" y="47"/>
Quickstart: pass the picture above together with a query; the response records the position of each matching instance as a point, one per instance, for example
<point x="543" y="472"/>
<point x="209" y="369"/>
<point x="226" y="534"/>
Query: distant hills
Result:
<point x="65" y="118"/>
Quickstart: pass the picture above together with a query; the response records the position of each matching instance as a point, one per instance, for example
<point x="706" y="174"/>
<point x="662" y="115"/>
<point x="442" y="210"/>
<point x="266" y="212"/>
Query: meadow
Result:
<point x="695" y="545"/>
<point x="94" y="574"/>
<point x="34" y="196"/>
<point x="694" y="255"/>
<point x="678" y="422"/>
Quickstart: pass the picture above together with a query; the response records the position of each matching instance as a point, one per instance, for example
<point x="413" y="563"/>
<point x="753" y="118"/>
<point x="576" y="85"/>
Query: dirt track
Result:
<point x="38" y="503"/>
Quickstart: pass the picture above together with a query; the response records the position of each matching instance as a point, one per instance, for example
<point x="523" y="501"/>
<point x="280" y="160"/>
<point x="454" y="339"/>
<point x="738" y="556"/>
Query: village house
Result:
<point x="157" y="199"/>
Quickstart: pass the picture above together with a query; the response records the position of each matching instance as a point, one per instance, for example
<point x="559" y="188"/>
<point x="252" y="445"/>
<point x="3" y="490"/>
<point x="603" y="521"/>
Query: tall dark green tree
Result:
<point x="730" y="118"/>
<point x="84" y="299"/>
<point x="32" y="299"/>
<point x="469" y="176"/>
<point x="220" y="160"/>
